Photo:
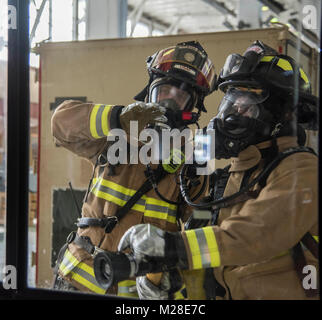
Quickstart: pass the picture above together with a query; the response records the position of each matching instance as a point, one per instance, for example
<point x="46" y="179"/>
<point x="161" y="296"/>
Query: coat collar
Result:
<point x="251" y="156"/>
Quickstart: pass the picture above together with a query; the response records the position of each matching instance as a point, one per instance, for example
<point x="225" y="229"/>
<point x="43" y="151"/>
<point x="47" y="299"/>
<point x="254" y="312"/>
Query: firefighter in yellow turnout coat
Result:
<point x="261" y="242"/>
<point x="180" y="77"/>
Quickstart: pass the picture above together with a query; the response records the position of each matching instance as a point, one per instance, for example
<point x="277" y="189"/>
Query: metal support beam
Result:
<point x="106" y="19"/>
<point x="50" y="22"/>
<point x="173" y="28"/>
<point x="136" y="15"/>
<point x="75" y="20"/>
<point x="39" y="13"/>
<point x="273" y="5"/>
<point x="248" y="14"/>
<point x="220" y="6"/>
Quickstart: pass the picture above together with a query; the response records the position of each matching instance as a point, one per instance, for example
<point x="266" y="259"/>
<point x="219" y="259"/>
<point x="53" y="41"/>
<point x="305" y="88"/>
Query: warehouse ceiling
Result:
<point x="199" y="16"/>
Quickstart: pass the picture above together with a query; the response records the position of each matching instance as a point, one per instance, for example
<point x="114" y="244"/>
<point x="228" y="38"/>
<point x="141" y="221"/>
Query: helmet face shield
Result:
<point x="166" y="92"/>
<point x="234" y="64"/>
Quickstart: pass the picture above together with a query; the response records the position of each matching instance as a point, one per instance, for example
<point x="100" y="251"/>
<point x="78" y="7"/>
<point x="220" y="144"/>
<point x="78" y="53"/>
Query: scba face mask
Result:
<point x="170" y="96"/>
<point x="241" y="121"/>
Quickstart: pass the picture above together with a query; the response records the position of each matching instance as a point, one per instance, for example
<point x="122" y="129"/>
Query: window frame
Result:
<point x="17" y="174"/>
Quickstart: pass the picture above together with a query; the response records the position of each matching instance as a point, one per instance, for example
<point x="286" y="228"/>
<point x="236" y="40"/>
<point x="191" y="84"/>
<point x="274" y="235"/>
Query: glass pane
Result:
<point x="3" y="127"/>
<point x="76" y="85"/>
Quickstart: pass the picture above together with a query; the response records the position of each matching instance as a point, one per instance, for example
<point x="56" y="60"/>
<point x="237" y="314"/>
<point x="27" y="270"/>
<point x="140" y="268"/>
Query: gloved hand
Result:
<point x="170" y="283"/>
<point x="161" y="249"/>
<point x="143" y="113"/>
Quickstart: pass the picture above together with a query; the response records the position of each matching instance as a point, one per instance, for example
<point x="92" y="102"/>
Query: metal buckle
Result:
<point x="110" y="224"/>
<point x="71" y="237"/>
<point x="96" y="251"/>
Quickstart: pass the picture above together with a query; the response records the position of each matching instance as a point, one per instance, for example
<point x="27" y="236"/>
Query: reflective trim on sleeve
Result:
<point x="203" y="248"/>
<point x="99" y="121"/>
<point x="123" y="289"/>
<point x="119" y="195"/>
<point x="80" y="272"/>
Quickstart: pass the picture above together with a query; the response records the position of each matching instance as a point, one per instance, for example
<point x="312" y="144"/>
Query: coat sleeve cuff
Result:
<point x="201" y="248"/>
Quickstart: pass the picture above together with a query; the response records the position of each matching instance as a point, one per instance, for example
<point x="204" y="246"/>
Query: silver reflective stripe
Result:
<point x="204" y="249"/>
<point x="86" y="276"/>
<point x="149" y="206"/>
<point x="118" y="194"/>
<point x="162" y="209"/>
<point x="99" y="128"/>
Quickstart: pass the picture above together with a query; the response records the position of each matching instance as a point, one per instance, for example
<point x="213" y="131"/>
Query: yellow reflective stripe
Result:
<point x="104" y="120"/>
<point x="168" y="52"/>
<point x="160" y="203"/>
<point x="178" y="295"/>
<point x="119" y="195"/>
<point x="123" y="289"/>
<point x="213" y="246"/>
<point x="80" y="272"/>
<point x="267" y="59"/>
<point x="160" y="216"/>
<point x="93" y="121"/>
<point x="316" y="238"/>
<point x="126" y="283"/>
<point x="203" y="248"/>
<point x="68" y="264"/>
<point x="304" y="76"/>
<point x="98" y="121"/>
<point x="87" y="283"/>
<point x="194" y="249"/>
<point x="284" y="64"/>
<point x="117" y="187"/>
<point x="87" y="268"/>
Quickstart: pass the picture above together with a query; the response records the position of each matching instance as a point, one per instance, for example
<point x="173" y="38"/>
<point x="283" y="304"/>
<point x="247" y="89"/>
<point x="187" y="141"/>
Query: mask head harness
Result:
<point x="263" y="92"/>
<point x="185" y="67"/>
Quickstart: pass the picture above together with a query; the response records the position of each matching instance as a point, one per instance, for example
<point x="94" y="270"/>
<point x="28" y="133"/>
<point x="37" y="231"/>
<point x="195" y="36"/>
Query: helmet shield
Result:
<point x="235" y="64"/>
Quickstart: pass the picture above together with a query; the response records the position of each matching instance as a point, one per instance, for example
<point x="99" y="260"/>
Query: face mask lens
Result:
<point x="242" y="102"/>
<point x="166" y="92"/>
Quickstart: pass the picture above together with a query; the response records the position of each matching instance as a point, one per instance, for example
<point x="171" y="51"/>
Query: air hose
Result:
<point x="222" y="202"/>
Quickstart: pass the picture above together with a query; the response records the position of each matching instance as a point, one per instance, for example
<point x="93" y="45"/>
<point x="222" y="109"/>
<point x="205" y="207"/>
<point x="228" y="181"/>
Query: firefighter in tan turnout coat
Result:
<point x="180" y="77"/>
<point x="262" y="239"/>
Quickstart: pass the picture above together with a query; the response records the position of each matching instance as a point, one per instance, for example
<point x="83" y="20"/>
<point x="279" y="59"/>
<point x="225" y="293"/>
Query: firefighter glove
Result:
<point x="143" y="113"/>
<point x="161" y="249"/>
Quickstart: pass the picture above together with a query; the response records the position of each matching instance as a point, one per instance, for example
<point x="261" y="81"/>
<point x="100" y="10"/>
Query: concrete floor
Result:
<point x="31" y="248"/>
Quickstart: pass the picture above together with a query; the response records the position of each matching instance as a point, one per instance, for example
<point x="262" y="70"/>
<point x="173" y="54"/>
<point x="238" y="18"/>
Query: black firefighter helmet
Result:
<point x="267" y="95"/>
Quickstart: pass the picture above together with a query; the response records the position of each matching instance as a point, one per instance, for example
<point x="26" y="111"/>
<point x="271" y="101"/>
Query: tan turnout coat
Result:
<point x="250" y="247"/>
<point x="82" y="128"/>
